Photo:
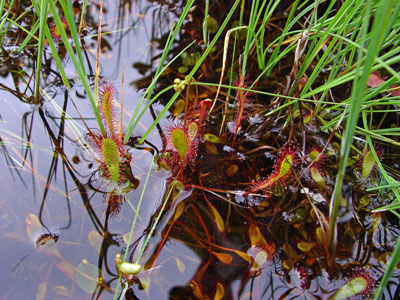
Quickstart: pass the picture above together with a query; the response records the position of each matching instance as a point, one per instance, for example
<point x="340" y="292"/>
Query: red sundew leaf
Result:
<point x="362" y="283"/>
<point x="219" y="293"/>
<point x="55" y="32"/>
<point x="302" y="83"/>
<point x="205" y="106"/>
<point x="375" y="79"/>
<point x="223" y="257"/>
<point x="182" y="146"/>
<point x="395" y="90"/>
<point x="217" y="218"/>
<point x="256" y="237"/>
<point x="243" y="255"/>
<point x="106" y="96"/>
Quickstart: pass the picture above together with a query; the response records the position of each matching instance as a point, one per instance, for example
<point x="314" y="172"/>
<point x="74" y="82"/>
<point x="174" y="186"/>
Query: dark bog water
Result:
<point x="219" y="235"/>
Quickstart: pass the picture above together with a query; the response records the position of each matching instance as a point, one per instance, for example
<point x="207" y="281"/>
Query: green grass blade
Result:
<point x="193" y="71"/>
<point x="80" y="69"/>
<point x="134" y="222"/>
<point x="174" y="31"/>
<point x="43" y="22"/>
<point x="380" y="27"/>
<point x="394" y="260"/>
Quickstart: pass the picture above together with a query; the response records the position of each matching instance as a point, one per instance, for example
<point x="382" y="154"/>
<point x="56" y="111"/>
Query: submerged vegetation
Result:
<point x="273" y="142"/>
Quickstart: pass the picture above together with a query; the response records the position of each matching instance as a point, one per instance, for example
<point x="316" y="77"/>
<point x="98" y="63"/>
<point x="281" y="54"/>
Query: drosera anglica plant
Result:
<point x="113" y="158"/>
<point x="286" y="159"/>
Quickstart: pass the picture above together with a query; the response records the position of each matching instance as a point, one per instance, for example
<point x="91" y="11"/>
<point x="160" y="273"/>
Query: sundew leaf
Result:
<point x="179" y="210"/>
<point x="285" y="166"/>
<point x="368" y="164"/>
<point x="243" y="255"/>
<point x="231" y="170"/>
<point x="218" y="219"/>
<point x="304" y="246"/>
<point x="211" y="148"/>
<point x="353" y="287"/>
<point x="107" y="108"/>
<point x="256" y="238"/>
<point x="110" y="154"/>
<point x="260" y="258"/>
<point x="87" y="276"/>
<point x="193" y="129"/>
<point x="316" y="175"/>
<point x="179" y="107"/>
<point x="223" y="257"/>
<point x="219" y="293"/>
<point x="180" y="142"/>
<point x="364" y="201"/>
<point x="375" y="79"/>
<point x="212" y="24"/>
<point x="212" y="138"/>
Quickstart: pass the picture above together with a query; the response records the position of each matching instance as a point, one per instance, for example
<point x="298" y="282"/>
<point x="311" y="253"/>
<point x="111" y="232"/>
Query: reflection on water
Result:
<point x="48" y="176"/>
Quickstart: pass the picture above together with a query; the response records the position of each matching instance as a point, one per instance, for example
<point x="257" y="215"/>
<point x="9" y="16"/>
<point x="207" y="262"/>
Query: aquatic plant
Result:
<point x="282" y="169"/>
<point x="361" y="283"/>
<point x="113" y="157"/>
